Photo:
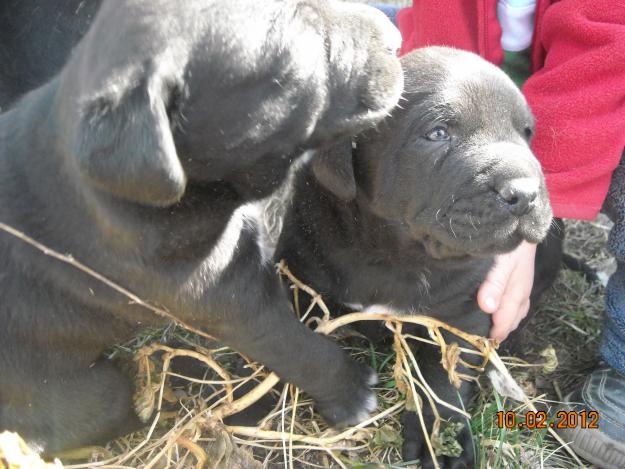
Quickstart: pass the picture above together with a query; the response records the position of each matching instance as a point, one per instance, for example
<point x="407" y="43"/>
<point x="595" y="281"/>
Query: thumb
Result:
<point x="492" y="289"/>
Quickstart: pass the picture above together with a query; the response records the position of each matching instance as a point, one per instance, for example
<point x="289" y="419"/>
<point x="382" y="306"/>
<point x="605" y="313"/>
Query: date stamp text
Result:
<point x="538" y="420"/>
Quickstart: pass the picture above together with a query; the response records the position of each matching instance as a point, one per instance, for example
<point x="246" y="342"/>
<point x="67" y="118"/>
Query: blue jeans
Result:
<point x="613" y="342"/>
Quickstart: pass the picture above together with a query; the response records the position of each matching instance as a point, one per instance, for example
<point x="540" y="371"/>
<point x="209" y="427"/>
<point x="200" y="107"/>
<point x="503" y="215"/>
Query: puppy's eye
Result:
<point x="438" y="134"/>
<point x="528" y="132"/>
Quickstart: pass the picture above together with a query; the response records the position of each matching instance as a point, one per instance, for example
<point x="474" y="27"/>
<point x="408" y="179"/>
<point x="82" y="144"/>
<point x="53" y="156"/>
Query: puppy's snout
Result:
<point x="518" y="194"/>
<point x="392" y="38"/>
<point x="379" y="83"/>
<point x="378" y="25"/>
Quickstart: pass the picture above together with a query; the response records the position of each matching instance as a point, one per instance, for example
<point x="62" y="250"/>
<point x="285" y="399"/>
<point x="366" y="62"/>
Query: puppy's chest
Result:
<point x="411" y="290"/>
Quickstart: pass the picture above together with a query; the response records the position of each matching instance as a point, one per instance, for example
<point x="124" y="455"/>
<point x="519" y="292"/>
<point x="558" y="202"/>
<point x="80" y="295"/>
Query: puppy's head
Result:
<point x="157" y="95"/>
<point x="452" y="168"/>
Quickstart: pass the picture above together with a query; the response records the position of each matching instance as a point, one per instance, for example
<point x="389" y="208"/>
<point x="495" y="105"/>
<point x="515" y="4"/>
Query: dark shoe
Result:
<point x="603" y="392"/>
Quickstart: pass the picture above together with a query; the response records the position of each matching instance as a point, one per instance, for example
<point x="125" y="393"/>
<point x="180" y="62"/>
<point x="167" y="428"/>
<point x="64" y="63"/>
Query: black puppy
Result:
<point x="145" y="158"/>
<point x="409" y="216"/>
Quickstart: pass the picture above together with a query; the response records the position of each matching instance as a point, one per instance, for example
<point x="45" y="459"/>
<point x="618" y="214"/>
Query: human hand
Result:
<point x="505" y="293"/>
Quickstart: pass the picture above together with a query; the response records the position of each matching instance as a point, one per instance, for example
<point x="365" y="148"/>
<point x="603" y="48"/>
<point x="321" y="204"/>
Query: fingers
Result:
<point x="506" y="290"/>
<point x="508" y="318"/>
<point x="491" y="291"/>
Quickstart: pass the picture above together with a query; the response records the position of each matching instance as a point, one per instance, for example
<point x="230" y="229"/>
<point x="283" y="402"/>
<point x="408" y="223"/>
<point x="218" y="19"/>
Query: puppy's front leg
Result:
<point x="261" y="324"/>
<point x="470" y="319"/>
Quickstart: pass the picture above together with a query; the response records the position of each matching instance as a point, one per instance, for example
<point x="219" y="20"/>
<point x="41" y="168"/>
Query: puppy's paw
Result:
<point x="353" y="401"/>
<point x="414" y="446"/>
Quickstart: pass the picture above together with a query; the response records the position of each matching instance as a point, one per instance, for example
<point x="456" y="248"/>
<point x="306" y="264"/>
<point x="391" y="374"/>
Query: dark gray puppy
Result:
<point x="145" y="158"/>
<point x="408" y="217"/>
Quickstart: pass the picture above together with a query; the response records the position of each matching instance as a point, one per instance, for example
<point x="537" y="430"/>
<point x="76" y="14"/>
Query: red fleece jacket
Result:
<point x="577" y="90"/>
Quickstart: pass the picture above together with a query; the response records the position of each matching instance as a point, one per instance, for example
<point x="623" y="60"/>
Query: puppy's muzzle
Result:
<point x="380" y="87"/>
<point x="505" y="201"/>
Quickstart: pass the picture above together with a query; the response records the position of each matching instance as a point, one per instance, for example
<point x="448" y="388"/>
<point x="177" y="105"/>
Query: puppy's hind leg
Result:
<point x="67" y="408"/>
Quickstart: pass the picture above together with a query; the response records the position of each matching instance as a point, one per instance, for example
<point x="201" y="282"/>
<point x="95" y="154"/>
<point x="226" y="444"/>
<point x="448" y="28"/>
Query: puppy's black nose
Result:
<point x="518" y="194"/>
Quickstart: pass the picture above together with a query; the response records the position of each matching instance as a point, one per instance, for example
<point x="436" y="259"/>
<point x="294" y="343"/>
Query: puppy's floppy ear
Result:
<point x="125" y="147"/>
<point x="334" y="169"/>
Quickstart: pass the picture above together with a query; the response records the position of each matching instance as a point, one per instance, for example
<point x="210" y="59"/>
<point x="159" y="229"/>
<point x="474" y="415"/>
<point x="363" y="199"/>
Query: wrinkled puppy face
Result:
<point x="454" y="166"/>
<point x="156" y="95"/>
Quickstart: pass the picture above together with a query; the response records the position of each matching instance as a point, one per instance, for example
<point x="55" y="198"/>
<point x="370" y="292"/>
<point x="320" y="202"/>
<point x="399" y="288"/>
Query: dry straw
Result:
<point x="195" y="435"/>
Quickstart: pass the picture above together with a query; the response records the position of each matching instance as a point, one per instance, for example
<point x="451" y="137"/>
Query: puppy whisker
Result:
<point x="436" y="218"/>
<point x="554" y="224"/>
<point x="472" y="224"/>
<point x="452" y="229"/>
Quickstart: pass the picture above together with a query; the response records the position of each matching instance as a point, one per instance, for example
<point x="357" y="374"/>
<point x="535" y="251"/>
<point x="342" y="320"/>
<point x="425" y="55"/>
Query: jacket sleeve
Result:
<point x="578" y="99"/>
<point x="470" y="25"/>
